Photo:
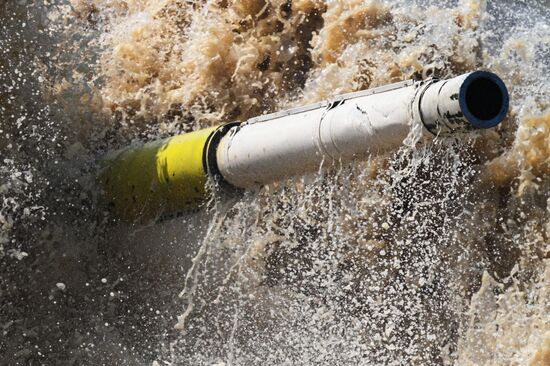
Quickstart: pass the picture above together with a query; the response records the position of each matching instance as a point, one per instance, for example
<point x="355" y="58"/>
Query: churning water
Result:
<point x="436" y="254"/>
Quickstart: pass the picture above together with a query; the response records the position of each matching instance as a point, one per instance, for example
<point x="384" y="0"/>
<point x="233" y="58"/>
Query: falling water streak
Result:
<point x="188" y="292"/>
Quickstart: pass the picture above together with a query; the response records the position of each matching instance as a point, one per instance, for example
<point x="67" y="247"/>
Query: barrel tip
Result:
<point x="484" y="99"/>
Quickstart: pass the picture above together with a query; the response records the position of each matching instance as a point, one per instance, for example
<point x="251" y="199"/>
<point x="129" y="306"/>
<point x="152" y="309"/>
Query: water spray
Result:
<point x="170" y="175"/>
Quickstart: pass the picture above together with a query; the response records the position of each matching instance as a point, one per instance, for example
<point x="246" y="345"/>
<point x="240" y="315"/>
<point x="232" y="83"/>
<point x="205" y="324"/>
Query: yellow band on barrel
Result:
<point x="165" y="176"/>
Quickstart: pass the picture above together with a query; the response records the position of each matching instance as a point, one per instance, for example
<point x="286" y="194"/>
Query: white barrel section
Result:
<point x="276" y="146"/>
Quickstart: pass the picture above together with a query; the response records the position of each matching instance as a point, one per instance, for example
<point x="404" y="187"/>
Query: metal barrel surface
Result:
<point x="273" y="147"/>
<point x="163" y="177"/>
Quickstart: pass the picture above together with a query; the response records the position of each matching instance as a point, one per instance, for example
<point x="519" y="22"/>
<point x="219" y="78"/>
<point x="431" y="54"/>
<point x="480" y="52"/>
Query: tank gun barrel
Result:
<point x="170" y="175"/>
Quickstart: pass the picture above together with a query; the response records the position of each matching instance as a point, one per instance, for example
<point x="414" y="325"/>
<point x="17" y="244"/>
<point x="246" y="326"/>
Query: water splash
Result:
<point x="429" y="255"/>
